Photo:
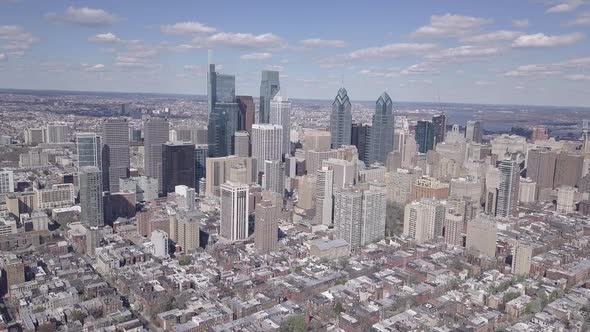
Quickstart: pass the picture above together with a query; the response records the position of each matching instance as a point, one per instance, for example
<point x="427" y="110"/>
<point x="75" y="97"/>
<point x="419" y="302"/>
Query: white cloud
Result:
<point x="564" y="7"/>
<point x="99" y="67"/>
<point x="15" y="40"/>
<point x="2" y="56"/>
<point x="464" y="54"/>
<point x="500" y="35"/>
<point x="316" y="42"/>
<point x="577" y="77"/>
<point x="256" y="56"/>
<point x="275" y="67"/>
<point x="582" y="19"/>
<point x="482" y="83"/>
<point x="420" y="68"/>
<point x="105" y="38"/>
<point x="575" y="63"/>
<point x="533" y="70"/>
<point x="543" y="40"/>
<point x="233" y="40"/>
<point x="449" y="26"/>
<point x="187" y="28"/>
<point x="521" y="23"/>
<point x="391" y="51"/>
<point x="83" y="16"/>
<point x="380" y="72"/>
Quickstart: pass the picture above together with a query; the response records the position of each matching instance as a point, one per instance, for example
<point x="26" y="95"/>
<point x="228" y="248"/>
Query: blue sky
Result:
<point x="500" y="51"/>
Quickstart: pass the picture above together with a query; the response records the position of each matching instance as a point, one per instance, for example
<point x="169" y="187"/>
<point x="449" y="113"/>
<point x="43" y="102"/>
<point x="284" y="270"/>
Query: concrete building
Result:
<point x="323" y="199"/>
<point x="160" y="241"/>
<point x="115" y="154"/>
<point x="306" y="192"/>
<point x="6" y="181"/>
<point x="267" y="143"/>
<point x="34" y="136"/>
<point x="473" y="131"/>
<point x="187" y="230"/>
<point x="466" y="187"/>
<point x="91" y="201"/>
<point x="317" y="140"/>
<point x="453" y="228"/>
<point x="527" y="191"/>
<point x="242" y="144"/>
<point x="540" y="167"/>
<point x="429" y="187"/>
<point x="266" y="228"/>
<point x="344" y="172"/>
<point x="521" y="258"/>
<point x="219" y="169"/>
<point x="57" y="133"/>
<point x="155" y="136"/>
<point x="145" y="188"/>
<point x="274" y="176"/>
<point x="401" y="184"/>
<point x="568" y="169"/>
<point x="424" y="219"/>
<point x="566" y="199"/>
<point x="234" y="211"/>
<point x="481" y="235"/>
<point x="188" y="196"/>
<point x="57" y="196"/>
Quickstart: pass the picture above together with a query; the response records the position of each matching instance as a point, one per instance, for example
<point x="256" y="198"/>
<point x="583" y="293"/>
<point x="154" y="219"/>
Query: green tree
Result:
<point x="78" y="315"/>
<point x="510" y="296"/>
<point x="338" y="308"/>
<point x="185" y="260"/>
<point x="295" y="323"/>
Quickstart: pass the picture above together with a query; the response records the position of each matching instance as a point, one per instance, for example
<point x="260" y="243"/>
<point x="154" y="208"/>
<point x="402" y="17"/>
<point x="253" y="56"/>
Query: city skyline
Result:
<point x="451" y="52"/>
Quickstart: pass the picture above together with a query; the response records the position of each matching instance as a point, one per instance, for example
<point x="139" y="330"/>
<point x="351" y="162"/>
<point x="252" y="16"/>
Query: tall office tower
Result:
<point x="219" y="171"/>
<point x="566" y="199"/>
<point x="201" y="153"/>
<point x="89" y="150"/>
<point x="159" y="240"/>
<point x="539" y="134"/>
<point x="429" y="187"/>
<point x="400" y="186"/>
<point x="57" y="133"/>
<point x="187" y="229"/>
<point x="91" y="204"/>
<point x="314" y="159"/>
<point x="234" y="211"/>
<point x="509" y="188"/>
<point x="360" y="136"/>
<point x="440" y="127"/>
<point x="269" y="87"/>
<point x="568" y="169"/>
<point x="473" y="131"/>
<point x="522" y="254"/>
<point x="344" y="172"/>
<point x="241" y="146"/>
<point x="323" y="198"/>
<point x="6" y="181"/>
<point x="266" y="226"/>
<point x="247" y="114"/>
<point x="341" y="120"/>
<point x="453" y="227"/>
<point x="492" y="188"/>
<point x="481" y="235"/>
<point x="373" y="219"/>
<point x="280" y="114"/>
<point x="540" y="167"/>
<point x="424" y="219"/>
<point x="381" y="141"/>
<point x="178" y="165"/>
<point x="425" y="136"/>
<point x="527" y="191"/>
<point x="223" y="123"/>
<point x="115" y="152"/>
<point x="274" y="176"/>
<point x="221" y="88"/>
<point x="317" y="140"/>
<point x="410" y="150"/>
<point x="34" y="136"/>
<point x="306" y="189"/>
<point x="267" y="143"/>
<point x="155" y="135"/>
<point x="466" y="187"/>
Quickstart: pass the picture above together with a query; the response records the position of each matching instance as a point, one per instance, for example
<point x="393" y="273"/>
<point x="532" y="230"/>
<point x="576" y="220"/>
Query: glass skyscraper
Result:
<point x="89" y="150"/>
<point x="223" y="112"/>
<point x="341" y="120"/>
<point x="425" y="136"/>
<point x="269" y="87"/>
<point x="381" y="141"/>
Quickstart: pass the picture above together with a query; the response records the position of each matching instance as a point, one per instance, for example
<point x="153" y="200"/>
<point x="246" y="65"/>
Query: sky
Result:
<point x="495" y="51"/>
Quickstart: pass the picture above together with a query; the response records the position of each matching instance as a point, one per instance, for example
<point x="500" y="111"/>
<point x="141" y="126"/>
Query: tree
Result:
<point x="185" y="260"/>
<point x="510" y="296"/>
<point x="78" y="315"/>
<point x="394" y="219"/>
<point x="295" y="323"/>
<point x="338" y="308"/>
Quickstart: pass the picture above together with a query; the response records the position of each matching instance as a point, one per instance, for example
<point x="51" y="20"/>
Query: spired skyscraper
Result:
<point x="223" y="112"/>
<point x="115" y="152"/>
<point x="381" y="141"/>
<point x="341" y="120"/>
<point x="269" y="87"/>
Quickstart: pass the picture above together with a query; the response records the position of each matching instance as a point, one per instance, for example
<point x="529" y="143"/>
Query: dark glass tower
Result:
<point x="247" y="115"/>
<point x="223" y="123"/>
<point x="425" y="136"/>
<point x="178" y="165"/>
<point x="381" y="142"/>
<point x="341" y="120"/>
<point x="360" y="138"/>
<point x="269" y="87"/>
<point x="440" y="127"/>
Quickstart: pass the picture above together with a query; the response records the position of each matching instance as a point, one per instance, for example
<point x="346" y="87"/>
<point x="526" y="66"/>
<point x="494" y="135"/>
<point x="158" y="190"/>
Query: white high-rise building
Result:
<point x="566" y="199"/>
<point x="57" y="133"/>
<point x="234" y="211"/>
<point x="522" y="254"/>
<point x="267" y="143"/>
<point x="527" y="192"/>
<point x="188" y="194"/>
<point x="160" y="241"/>
<point x="473" y="132"/>
<point x="324" y="191"/>
<point x="344" y="172"/>
<point x="424" y="220"/>
<point x="274" y="176"/>
<point x="187" y="229"/>
<point x="481" y="235"/>
<point x="6" y="181"/>
<point x="374" y="209"/>
<point x="280" y="114"/>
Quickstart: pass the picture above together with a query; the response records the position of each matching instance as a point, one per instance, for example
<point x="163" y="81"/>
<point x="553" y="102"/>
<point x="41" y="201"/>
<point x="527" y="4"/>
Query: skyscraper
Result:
<point x="481" y="235"/>
<point x="115" y="156"/>
<point x="269" y="87"/>
<point x="187" y="229"/>
<point x="89" y="150"/>
<point x="247" y="114"/>
<point x="317" y="140"/>
<point x="201" y="153"/>
<point x="57" y="133"/>
<point x="274" y="176"/>
<point x="178" y="165"/>
<point x="374" y="209"/>
<point x="324" y="191"/>
<point x="473" y="132"/>
<point x="440" y="127"/>
<point x="381" y="141"/>
<point x="280" y="114"/>
<point x="223" y="123"/>
<point x="425" y="136"/>
<point x="540" y="167"/>
<point x="522" y="253"/>
<point x="155" y="135"/>
<point x="344" y="172"/>
<point x="568" y="169"/>
<point x="266" y="228"/>
<point x="234" y="211"/>
<point x="508" y="190"/>
<point x="6" y="181"/>
<point x="267" y="143"/>
<point x="160" y="241"/>
<point x="341" y="120"/>
<point x="360" y="136"/>
<point x="241" y="146"/>
<point x="91" y="203"/>
<point x="221" y="88"/>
